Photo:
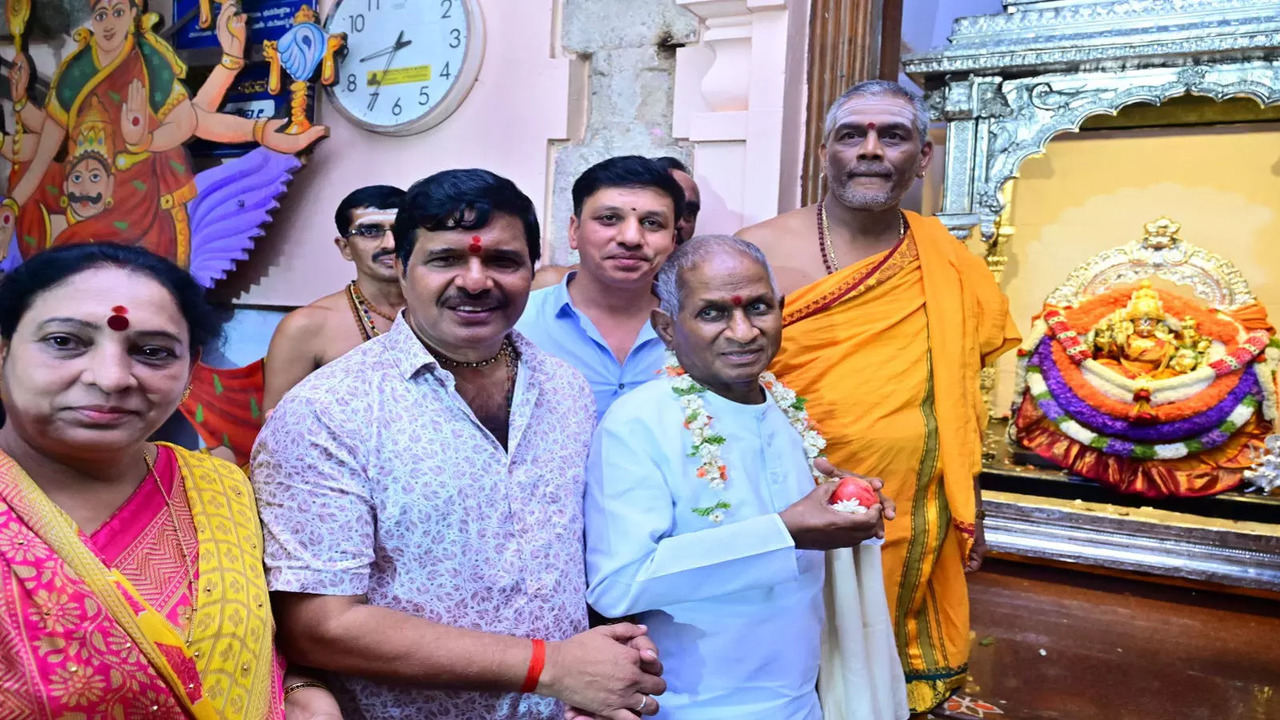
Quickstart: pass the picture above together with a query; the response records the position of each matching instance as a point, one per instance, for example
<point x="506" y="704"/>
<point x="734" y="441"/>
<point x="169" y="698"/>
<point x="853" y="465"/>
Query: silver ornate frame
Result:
<point x="1007" y="84"/>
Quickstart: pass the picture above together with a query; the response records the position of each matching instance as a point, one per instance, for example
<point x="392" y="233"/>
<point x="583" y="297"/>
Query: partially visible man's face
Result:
<point x="88" y="187"/>
<point x="111" y="21"/>
<point x="624" y="234"/>
<point x="465" y="289"/>
<point x="687" y="225"/>
<point x="874" y="153"/>
<point x="729" y="326"/>
<point x="370" y="245"/>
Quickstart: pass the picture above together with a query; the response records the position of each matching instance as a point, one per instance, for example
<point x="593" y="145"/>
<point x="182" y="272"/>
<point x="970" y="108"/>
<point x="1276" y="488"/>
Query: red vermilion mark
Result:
<point x="736" y="300"/>
<point x="136" y="121"/>
<point x="871" y="126"/>
<point x="475" y="247"/>
<point x="118" y="321"/>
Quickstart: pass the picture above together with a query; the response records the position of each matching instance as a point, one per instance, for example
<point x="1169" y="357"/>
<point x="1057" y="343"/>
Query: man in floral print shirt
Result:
<point x="421" y="495"/>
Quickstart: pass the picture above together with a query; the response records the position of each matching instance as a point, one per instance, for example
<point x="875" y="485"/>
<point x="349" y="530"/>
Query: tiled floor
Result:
<point x="1056" y="644"/>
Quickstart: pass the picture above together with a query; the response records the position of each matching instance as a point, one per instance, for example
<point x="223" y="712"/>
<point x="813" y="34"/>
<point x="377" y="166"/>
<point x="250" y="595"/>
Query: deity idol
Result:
<point x="1114" y="387"/>
<point x="1138" y="343"/>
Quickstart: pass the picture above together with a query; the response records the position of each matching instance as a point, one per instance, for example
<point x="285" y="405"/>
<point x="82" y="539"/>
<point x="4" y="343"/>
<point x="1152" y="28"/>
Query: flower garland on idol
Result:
<point x="707" y="443"/>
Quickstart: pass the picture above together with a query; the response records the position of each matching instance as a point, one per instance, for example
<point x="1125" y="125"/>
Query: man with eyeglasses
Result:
<point x="316" y="334"/>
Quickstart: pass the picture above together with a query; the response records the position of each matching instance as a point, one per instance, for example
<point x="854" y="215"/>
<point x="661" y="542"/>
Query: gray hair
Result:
<point x="879" y="88"/>
<point x="693" y="252"/>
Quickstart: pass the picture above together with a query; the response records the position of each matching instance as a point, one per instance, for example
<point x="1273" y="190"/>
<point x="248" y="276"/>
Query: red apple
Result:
<point x="852" y="488"/>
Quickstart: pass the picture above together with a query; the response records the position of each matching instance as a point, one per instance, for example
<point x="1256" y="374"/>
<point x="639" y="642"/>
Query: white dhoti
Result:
<point x="861" y="674"/>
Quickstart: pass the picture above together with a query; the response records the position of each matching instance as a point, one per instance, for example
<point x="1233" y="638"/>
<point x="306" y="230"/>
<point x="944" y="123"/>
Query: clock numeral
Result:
<point x="357" y="23"/>
<point x="448" y="9"/>
<point x="456" y="36"/>
<point x="375" y="5"/>
<point x="446" y="73"/>
<point x="396" y="109"/>
<point x="351" y="82"/>
<point x="424" y="97"/>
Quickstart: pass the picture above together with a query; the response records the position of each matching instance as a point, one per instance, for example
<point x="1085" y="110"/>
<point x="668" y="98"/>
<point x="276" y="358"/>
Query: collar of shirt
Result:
<point x="412" y="358"/>
<point x="562" y="305"/>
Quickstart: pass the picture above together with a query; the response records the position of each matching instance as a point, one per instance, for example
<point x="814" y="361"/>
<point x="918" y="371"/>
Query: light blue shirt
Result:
<point x="553" y="324"/>
<point x="735" y="609"/>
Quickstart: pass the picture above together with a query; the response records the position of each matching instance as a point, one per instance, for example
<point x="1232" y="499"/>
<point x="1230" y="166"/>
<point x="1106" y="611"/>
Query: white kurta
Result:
<point x="735" y="609"/>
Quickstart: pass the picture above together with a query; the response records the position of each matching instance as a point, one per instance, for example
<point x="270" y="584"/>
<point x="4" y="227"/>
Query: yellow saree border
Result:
<point x="231" y="643"/>
<point x="232" y="639"/>
<point x="59" y="532"/>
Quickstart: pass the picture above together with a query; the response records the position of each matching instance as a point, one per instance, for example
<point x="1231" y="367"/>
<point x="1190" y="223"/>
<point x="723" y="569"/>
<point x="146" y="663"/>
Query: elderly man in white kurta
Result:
<point x="702" y="515"/>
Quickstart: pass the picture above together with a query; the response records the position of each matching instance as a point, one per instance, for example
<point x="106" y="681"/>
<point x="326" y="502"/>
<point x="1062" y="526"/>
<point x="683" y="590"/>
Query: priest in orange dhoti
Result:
<point x="889" y="321"/>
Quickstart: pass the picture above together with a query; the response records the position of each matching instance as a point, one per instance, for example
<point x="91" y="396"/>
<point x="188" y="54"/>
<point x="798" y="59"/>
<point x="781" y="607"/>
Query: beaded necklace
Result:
<point x="824" y="237"/>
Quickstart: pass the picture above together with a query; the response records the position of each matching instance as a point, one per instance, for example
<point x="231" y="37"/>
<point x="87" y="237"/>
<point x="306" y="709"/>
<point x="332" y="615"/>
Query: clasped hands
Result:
<point x="609" y="672"/>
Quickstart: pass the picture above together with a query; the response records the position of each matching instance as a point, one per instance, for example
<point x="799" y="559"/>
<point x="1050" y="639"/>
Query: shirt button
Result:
<point x="622" y="386"/>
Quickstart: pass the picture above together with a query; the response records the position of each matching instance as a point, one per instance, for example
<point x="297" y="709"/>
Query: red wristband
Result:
<point x="536" y="662"/>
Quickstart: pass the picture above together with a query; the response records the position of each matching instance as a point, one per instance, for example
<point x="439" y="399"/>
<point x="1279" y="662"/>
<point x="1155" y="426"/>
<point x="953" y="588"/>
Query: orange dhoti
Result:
<point x="888" y="353"/>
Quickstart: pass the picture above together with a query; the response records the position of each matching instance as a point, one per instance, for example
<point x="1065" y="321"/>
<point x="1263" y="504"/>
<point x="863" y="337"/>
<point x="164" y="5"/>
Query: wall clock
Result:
<point x="409" y="63"/>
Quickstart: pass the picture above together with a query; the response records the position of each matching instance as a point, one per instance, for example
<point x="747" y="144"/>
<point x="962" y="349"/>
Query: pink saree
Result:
<point x="96" y="625"/>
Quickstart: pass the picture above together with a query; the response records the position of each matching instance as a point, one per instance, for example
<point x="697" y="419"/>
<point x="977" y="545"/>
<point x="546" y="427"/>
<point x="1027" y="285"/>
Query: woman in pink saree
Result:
<point x="131" y="581"/>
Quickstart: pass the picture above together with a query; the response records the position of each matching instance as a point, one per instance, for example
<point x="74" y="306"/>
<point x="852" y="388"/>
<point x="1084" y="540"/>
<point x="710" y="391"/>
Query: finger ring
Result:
<point x="644" y="702"/>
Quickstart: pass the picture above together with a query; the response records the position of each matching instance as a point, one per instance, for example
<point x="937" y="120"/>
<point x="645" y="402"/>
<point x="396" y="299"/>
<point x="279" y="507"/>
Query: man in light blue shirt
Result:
<point x="625" y="212"/>
<point x="702" y="516"/>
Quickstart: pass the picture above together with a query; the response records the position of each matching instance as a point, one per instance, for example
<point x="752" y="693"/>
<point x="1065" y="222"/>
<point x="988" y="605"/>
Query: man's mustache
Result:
<point x="868" y="170"/>
<point x="93" y="199"/>
<point x="487" y="300"/>
<point x="377" y="257"/>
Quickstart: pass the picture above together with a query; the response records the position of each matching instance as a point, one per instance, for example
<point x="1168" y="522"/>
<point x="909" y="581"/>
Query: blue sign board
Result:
<point x="268" y="20"/>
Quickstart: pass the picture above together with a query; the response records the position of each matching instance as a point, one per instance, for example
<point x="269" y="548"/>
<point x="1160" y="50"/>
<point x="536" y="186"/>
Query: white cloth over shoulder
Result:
<point x="861" y="676"/>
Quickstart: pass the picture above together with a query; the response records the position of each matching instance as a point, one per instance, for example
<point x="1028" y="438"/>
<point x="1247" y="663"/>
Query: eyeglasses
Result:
<point x="369" y="232"/>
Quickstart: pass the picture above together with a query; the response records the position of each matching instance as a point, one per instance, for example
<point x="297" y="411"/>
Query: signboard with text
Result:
<point x="267" y="20"/>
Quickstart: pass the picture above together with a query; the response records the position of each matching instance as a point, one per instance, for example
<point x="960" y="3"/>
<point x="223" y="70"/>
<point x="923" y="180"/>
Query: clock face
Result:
<point x="408" y="64"/>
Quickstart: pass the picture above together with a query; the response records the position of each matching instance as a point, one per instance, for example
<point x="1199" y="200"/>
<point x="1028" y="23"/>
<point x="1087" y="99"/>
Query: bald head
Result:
<point x="696" y="252"/>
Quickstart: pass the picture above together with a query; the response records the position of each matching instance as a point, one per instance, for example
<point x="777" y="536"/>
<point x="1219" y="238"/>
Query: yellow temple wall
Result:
<point x="1095" y="191"/>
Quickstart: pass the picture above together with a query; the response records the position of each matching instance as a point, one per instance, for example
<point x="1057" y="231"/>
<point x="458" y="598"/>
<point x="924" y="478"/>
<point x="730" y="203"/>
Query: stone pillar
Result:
<point x="623" y="94"/>
<point x="731" y="93"/>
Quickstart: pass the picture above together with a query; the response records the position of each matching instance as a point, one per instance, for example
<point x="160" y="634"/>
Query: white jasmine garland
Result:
<point x="706" y="443"/>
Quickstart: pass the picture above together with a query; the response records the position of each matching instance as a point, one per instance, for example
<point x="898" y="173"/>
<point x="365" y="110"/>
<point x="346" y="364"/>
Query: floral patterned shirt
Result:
<point x="375" y="478"/>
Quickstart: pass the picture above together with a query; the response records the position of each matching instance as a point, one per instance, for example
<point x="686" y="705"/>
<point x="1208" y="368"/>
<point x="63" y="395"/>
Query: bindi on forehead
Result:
<point x="871" y="126"/>
<point x="736" y="300"/>
<point x="118" y="321"/>
<point x="476" y="246"/>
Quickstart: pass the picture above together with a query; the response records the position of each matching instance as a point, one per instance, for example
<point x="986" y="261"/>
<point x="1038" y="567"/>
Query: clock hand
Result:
<point x="373" y="101"/>
<point x="384" y="51"/>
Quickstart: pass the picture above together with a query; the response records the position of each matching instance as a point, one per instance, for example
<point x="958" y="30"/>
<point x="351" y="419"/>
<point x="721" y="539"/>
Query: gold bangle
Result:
<point x="145" y="146"/>
<point x="295" y="687"/>
<point x="231" y="62"/>
<point x="18" y="105"/>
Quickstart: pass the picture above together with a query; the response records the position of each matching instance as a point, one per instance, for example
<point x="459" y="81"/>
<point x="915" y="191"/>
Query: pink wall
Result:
<point x="518" y="106"/>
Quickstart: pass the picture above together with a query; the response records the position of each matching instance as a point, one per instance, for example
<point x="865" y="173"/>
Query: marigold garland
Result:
<point x="1123" y="448"/>
<point x="1131" y="430"/>
<point x="1073" y="375"/>
<point x="1210" y="323"/>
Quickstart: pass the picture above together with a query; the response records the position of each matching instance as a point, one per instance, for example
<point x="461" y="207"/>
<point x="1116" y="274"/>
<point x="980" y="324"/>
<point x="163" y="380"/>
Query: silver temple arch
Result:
<point x="1006" y="84"/>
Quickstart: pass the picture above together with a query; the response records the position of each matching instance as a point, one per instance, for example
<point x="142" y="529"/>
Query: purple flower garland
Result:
<point x="1080" y="411"/>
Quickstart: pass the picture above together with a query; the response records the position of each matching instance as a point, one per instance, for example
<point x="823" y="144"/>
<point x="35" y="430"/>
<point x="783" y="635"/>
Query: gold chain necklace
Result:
<point x="504" y="353"/>
<point x="186" y="552"/>
<point x="829" y="251"/>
